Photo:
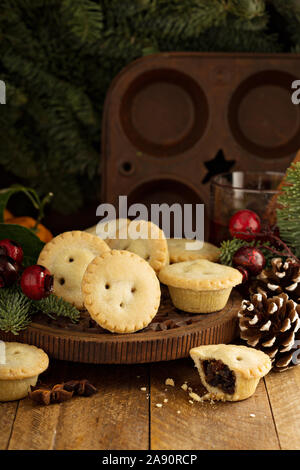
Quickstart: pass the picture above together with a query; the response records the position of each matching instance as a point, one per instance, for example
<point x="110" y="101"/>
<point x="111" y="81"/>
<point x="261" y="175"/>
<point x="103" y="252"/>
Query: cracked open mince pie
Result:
<point x="20" y="369"/>
<point x="199" y="286"/>
<point x="121" y="291"/>
<point x="146" y="240"/>
<point x="229" y="372"/>
<point x="181" y="249"/>
<point x="67" y="257"/>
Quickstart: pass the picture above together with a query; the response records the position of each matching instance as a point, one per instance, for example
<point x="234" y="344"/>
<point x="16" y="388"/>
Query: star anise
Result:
<point x="80" y="387"/>
<point x="59" y="394"/>
<point x="40" y="395"/>
<point x="45" y="395"/>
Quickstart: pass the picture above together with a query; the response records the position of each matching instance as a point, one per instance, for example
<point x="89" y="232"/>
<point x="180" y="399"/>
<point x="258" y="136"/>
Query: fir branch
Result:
<point x="58" y="58"/>
<point x="83" y="20"/>
<point x="288" y="215"/>
<point x="247" y="9"/>
<point x="58" y="307"/>
<point x="290" y="19"/>
<point x="182" y="20"/>
<point x="15" y="310"/>
<point x="229" y="247"/>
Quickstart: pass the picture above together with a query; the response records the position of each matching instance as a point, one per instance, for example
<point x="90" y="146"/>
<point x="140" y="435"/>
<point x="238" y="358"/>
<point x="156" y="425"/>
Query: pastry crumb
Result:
<point x="178" y="411"/>
<point x="191" y="401"/>
<point x="170" y="382"/>
<point x="143" y="389"/>
<point x="195" y="396"/>
<point x="184" y="387"/>
<point x="252" y="415"/>
<point x="166" y="400"/>
<point x="190" y="389"/>
<point x="158" y="405"/>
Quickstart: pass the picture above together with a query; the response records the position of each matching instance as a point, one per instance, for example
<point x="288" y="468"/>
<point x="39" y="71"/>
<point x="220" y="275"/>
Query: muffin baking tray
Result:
<point x="168" y="115"/>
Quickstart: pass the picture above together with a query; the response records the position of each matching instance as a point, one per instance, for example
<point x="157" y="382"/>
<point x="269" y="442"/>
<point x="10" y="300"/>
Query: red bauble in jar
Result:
<point x="243" y="224"/>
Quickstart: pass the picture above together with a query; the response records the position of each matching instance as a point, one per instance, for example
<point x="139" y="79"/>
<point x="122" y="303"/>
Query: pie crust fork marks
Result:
<point x="23" y="364"/>
<point x="121" y="291"/>
<point x="178" y="250"/>
<point x="151" y="245"/>
<point x="67" y="257"/>
<point x="200" y="286"/>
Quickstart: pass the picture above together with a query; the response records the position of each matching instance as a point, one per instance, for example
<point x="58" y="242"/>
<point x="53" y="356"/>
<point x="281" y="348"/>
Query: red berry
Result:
<point x="36" y="282"/>
<point x="244" y="221"/>
<point x="244" y="273"/>
<point x="8" y="271"/>
<point x="250" y="258"/>
<point x="12" y="249"/>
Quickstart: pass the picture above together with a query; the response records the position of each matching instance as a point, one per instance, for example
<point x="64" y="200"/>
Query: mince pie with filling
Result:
<point x="230" y="372"/>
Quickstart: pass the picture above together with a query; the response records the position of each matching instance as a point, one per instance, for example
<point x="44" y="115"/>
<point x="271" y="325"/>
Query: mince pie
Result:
<point x="144" y="239"/>
<point x="229" y="372"/>
<point x="182" y="249"/>
<point x="67" y="257"/>
<point x="199" y="286"/>
<point x="121" y="291"/>
<point x="20" y="367"/>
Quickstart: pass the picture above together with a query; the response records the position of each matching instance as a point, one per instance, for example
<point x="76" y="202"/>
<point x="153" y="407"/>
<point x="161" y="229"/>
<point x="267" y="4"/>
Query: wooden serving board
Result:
<point x="171" y="335"/>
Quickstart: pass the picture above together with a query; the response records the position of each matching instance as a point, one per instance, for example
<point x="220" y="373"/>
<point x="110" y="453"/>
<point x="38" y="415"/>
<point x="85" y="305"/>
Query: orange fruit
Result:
<point x="7" y="215"/>
<point x="41" y="231"/>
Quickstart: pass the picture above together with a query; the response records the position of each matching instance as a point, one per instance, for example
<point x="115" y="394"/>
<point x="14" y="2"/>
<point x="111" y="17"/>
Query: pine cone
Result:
<point x="283" y="276"/>
<point x="270" y="324"/>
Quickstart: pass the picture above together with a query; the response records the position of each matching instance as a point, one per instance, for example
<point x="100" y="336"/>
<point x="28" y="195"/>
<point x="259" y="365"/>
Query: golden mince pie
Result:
<point x="121" y="291"/>
<point x="229" y="372"/>
<point x="199" y="286"/>
<point x="20" y="369"/>
<point x="110" y="230"/>
<point x="182" y="249"/>
<point x="146" y="240"/>
<point x="67" y="257"/>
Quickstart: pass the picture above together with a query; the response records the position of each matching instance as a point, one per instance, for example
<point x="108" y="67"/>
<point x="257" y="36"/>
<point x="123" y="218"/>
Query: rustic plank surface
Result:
<point x="284" y="392"/>
<point x="179" y="424"/>
<point x="7" y="416"/>
<point x="115" y="418"/>
<point x="122" y="416"/>
<point x="35" y="426"/>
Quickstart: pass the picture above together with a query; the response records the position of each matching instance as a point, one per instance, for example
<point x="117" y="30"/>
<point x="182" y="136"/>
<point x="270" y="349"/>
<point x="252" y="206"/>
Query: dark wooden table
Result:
<point x="121" y="416"/>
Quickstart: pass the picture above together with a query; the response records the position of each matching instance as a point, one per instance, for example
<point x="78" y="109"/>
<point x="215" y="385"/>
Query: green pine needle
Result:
<point x="288" y="216"/>
<point x="15" y="310"/>
<point x="51" y="124"/>
<point x="56" y="306"/>
<point x="229" y="247"/>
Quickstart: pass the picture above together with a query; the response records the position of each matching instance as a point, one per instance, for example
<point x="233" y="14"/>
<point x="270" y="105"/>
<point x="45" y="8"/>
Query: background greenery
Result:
<point x="58" y="58"/>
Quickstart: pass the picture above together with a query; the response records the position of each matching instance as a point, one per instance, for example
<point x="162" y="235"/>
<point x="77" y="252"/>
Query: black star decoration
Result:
<point x="217" y="165"/>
